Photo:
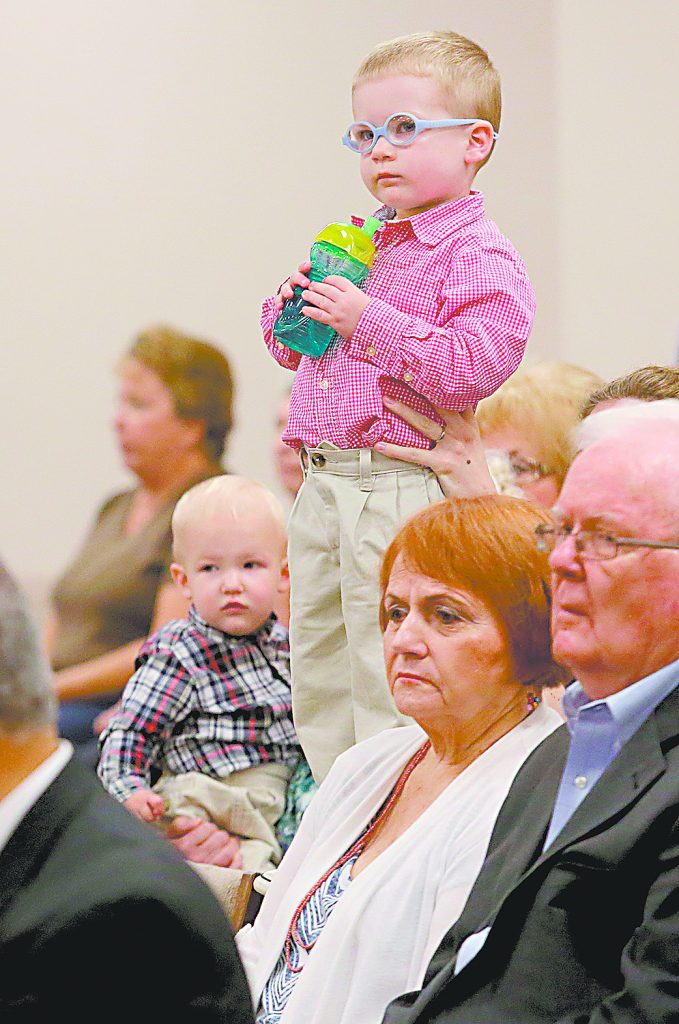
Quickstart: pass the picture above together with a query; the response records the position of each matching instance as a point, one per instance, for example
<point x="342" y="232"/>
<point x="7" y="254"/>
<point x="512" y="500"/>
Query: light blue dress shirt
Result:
<point x="599" y="729"/>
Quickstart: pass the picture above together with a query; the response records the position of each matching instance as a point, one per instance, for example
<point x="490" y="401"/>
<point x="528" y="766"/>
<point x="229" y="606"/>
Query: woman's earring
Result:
<point x="533" y="701"/>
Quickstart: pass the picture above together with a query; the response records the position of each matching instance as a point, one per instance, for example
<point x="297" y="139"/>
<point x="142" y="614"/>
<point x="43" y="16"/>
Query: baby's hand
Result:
<point x="337" y="302"/>
<point x="296" y="280"/>
<point x="145" y="805"/>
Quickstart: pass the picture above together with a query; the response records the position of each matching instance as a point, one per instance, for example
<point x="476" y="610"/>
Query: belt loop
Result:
<point x="365" y="476"/>
<point x="304" y="460"/>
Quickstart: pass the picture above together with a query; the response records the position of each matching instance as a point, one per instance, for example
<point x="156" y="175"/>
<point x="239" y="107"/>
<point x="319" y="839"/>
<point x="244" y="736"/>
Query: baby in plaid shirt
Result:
<point x="443" y="321"/>
<point x="209" y="704"/>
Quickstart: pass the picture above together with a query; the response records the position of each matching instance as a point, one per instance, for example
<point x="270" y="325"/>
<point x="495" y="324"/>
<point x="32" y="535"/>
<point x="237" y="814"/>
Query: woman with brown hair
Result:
<point x="173" y="415"/>
<point x="388" y="850"/>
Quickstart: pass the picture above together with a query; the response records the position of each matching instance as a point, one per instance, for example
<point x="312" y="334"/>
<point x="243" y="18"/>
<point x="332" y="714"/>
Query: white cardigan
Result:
<point x="382" y="933"/>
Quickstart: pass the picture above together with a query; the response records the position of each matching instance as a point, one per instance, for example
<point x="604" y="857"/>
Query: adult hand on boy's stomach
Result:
<point x="204" y="843"/>
<point x="455" y="454"/>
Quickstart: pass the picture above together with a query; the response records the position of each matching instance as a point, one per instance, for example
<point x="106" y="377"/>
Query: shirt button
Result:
<point x="581" y="781"/>
<point x="324" y="385"/>
<point x="371" y="350"/>
<point x="280" y="344"/>
<point x="407" y="376"/>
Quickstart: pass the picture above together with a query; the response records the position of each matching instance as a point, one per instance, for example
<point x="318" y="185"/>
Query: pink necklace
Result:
<point x="358" y="847"/>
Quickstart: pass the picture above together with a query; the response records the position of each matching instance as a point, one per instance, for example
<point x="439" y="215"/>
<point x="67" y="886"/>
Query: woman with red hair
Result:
<point x="388" y="851"/>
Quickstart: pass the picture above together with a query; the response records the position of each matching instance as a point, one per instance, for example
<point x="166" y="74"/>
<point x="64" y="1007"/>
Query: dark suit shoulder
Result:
<point x="103" y="913"/>
<point x="98" y="851"/>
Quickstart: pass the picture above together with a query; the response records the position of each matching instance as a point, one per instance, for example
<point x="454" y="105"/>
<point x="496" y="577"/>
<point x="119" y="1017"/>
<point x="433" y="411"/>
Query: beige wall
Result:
<point x="171" y="160"/>
<point x="618" y="208"/>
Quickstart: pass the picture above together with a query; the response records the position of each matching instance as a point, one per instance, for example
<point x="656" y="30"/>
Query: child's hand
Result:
<point x="336" y="302"/>
<point x="145" y="805"/>
<point x="296" y="280"/>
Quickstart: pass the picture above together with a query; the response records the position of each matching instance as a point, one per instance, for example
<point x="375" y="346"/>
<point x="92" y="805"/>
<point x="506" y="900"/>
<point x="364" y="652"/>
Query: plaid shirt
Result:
<point x="201" y="700"/>
<point x="451" y="311"/>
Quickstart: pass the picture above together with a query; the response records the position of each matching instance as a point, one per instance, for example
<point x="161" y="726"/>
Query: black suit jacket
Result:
<point x="587" y="931"/>
<point x="100" y="919"/>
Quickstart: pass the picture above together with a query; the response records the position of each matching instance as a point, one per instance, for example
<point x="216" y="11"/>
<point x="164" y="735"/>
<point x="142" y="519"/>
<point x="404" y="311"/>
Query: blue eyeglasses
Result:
<point x="400" y="130"/>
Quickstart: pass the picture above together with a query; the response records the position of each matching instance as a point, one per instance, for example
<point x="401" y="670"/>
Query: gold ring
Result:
<point x="432" y="444"/>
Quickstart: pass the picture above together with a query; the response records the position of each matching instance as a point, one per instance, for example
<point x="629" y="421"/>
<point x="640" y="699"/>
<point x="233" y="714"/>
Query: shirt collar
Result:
<point x="629" y="707"/>
<point x="16" y="805"/>
<point x="267" y="631"/>
<point x="432" y="226"/>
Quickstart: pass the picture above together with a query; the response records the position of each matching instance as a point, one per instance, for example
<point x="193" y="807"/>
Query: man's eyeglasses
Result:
<point x="400" y="130"/>
<point x="593" y="544"/>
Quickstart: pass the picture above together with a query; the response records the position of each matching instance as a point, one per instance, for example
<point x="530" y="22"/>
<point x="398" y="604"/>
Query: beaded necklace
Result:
<point x="357" y="848"/>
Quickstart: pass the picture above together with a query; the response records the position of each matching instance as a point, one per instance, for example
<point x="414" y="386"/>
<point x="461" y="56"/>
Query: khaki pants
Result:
<point x="246" y="803"/>
<point x="346" y="513"/>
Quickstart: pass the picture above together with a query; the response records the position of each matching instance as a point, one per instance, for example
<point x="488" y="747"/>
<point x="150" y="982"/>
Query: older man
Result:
<point x="575" y="916"/>
<point x="99" y="918"/>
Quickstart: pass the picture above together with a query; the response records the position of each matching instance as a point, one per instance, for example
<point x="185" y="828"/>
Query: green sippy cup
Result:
<point x="342" y="249"/>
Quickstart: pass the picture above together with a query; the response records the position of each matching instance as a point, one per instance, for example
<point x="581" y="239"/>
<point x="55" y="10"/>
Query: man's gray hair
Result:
<point x="623" y="417"/>
<point x="27" y="699"/>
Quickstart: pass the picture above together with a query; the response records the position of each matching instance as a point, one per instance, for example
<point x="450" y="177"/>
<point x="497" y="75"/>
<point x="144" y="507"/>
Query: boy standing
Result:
<point x="209" y="705"/>
<point x="443" y="321"/>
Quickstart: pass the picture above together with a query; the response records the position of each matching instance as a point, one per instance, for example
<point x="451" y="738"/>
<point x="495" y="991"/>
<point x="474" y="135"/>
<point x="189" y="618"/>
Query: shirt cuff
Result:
<point x="377" y="335"/>
<point x="122" y="788"/>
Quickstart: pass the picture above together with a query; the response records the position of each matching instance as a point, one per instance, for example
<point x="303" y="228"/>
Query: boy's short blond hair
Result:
<point x="470" y="83"/>
<point x="228" y="494"/>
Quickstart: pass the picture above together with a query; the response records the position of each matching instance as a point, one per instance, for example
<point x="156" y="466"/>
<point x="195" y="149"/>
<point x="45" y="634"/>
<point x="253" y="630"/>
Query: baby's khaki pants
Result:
<point x="246" y="803"/>
<point x="347" y="511"/>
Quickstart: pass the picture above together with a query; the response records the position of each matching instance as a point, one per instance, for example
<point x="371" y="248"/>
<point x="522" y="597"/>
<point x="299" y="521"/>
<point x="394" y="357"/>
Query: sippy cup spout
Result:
<point x="370" y="226"/>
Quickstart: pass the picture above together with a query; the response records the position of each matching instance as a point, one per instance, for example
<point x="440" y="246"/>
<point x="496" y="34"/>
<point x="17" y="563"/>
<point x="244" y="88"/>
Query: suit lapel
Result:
<point x="515" y="862"/>
<point x="514" y="858"/>
<point x="523" y="821"/>
<point x="637" y="766"/>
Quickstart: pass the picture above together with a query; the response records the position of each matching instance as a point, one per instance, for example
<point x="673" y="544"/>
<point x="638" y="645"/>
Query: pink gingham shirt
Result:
<point x="451" y="311"/>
